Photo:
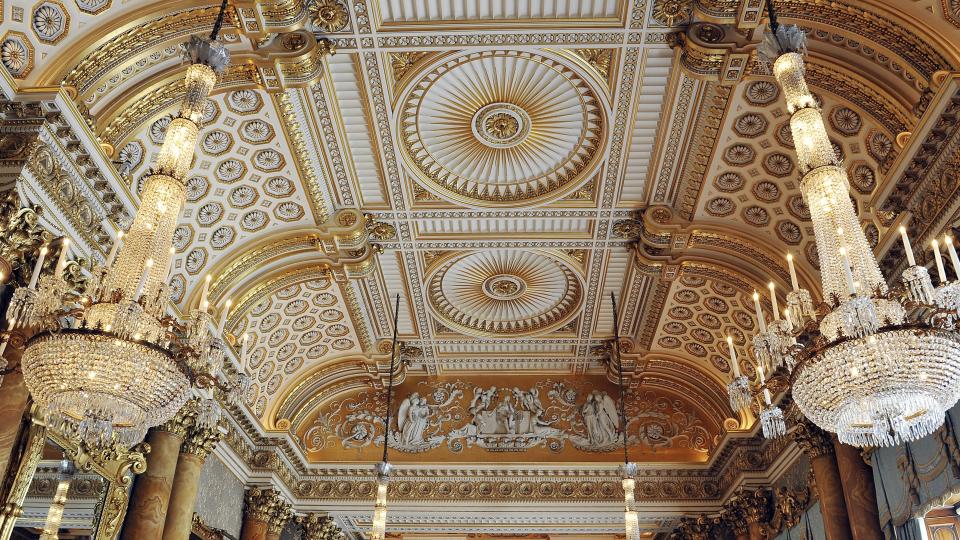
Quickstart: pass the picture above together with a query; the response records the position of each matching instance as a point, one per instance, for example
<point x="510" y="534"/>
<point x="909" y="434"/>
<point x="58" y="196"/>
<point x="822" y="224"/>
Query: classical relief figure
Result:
<point x="412" y="419"/>
<point x="600" y="418"/>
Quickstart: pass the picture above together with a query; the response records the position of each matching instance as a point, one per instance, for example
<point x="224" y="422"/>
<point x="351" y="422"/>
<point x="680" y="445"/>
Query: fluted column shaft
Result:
<point x="859" y="493"/>
<point x="151" y="492"/>
<point x="198" y="444"/>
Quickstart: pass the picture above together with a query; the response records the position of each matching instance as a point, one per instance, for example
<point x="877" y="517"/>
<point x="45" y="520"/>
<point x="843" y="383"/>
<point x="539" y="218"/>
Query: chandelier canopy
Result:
<point x="875" y="366"/>
<point x="109" y="363"/>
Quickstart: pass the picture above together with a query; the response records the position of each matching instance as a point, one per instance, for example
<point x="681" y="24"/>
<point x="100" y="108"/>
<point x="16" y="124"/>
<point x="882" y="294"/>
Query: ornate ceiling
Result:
<point x="503" y="167"/>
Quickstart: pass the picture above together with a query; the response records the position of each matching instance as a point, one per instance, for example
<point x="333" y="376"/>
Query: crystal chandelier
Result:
<point x="109" y="363"/>
<point x="379" y="529"/>
<point x="631" y="521"/>
<point x="875" y="366"/>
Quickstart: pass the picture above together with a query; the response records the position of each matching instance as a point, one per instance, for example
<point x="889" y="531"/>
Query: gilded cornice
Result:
<point x="917" y="50"/>
<point x="922" y="182"/>
<point x="296" y="136"/>
<point x="824" y="74"/>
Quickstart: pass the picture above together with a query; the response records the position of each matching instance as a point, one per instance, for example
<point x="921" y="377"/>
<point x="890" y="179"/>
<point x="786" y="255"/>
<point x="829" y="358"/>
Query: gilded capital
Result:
<point x="182" y="422"/>
<point x="812" y="440"/>
<point x="267" y="506"/>
<point x="319" y="527"/>
<point x="200" y="441"/>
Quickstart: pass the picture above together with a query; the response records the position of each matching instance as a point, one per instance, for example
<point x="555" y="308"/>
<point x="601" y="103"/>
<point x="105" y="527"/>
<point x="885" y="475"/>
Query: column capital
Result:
<point x="267" y="506"/>
<point x="746" y="508"/>
<point x="200" y="441"/>
<point x="319" y="527"/>
<point x="182" y="422"/>
<point x="814" y="441"/>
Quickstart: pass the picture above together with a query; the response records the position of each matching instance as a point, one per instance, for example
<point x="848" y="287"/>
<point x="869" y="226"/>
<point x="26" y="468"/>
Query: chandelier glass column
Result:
<point x="379" y="529"/>
<point x="875" y="366"/>
<point x="109" y="364"/>
<point x="631" y="521"/>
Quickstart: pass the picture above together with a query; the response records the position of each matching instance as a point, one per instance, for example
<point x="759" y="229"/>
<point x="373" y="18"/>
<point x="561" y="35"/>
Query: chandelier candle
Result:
<point x="760" y="319"/>
<point x="907" y="248"/>
<point x="941" y="271"/>
<point x="37" y="267"/>
<point x="954" y="261"/>
<point x="793" y="272"/>
<point x="773" y="300"/>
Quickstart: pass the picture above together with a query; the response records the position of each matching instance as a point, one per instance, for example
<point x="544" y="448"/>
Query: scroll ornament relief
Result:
<point x="508" y="419"/>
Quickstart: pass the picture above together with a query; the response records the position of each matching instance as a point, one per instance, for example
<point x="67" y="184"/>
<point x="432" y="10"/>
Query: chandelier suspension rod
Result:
<point x="616" y="345"/>
<point x="393" y="357"/>
<point x="219" y="23"/>
<point x="772" y="15"/>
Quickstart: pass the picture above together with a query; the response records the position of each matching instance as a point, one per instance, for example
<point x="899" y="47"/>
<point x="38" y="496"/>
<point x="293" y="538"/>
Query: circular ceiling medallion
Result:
<point x="504" y="293"/>
<point x="495" y="128"/>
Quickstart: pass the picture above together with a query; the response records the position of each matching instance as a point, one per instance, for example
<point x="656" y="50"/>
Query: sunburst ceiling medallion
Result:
<point x="495" y="128"/>
<point x="505" y="292"/>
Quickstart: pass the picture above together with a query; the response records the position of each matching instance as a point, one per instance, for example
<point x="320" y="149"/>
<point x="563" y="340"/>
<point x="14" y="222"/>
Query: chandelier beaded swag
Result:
<point x="109" y="363"/>
<point x="878" y="366"/>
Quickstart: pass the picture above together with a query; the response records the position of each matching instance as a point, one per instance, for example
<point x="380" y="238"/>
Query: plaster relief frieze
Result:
<point x="458" y="417"/>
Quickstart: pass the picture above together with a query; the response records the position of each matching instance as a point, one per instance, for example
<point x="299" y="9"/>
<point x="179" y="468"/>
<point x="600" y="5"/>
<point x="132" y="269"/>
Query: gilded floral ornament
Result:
<point x="672" y="12"/>
<point x="328" y="15"/>
<point x="403" y="62"/>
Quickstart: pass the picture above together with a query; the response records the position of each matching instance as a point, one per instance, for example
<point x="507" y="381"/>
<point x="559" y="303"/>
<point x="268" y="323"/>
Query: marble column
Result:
<point x="14" y="404"/>
<point x="197" y="445"/>
<point x="818" y="446"/>
<point x="151" y="492"/>
<point x="319" y="527"/>
<point x="859" y="492"/>
<point x="259" y="507"/>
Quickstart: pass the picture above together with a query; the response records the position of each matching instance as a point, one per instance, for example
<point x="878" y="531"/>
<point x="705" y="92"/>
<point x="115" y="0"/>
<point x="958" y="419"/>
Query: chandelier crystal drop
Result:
<point x="51" y="528"/>
<point x="878" y="367"/>
<point x="630" y="517"/>
<point x="107" y="363"/>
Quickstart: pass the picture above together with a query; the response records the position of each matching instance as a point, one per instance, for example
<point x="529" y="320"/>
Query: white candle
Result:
<point x="906" y="246"/>
<point x="37" y="267"/>
<point x="204" y="304"/>
<point x="147" y="266"/>
<point x="756" y="306"/>
<point x="115" y="248"/>
<point x="789" y="318"/>
<point x="941" y="272"/>
<point x="793" y="272"/>
<point x="243" y="348"/>
<point x="763" y="381"/>
<point x="954" y="261"/>
<point x="847" y="274"/>
<point x="223" y="316"/>
<point x="733" y="358"/>
<point x="773" y="300"/>
<point x="169" y="266"/>
<point x="62" y="260"/>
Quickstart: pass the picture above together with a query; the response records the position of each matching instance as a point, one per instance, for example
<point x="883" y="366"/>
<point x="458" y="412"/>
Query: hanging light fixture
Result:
<point x="630" y="519"/>
<point x="51" y="528"/>
<point x="112" y="364"/>
<point x="878" y="367"/>
<point x="379" y="529"/>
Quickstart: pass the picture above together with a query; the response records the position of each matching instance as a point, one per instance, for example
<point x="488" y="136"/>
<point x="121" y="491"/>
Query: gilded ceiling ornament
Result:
<point x="789" y="232"/>
<point x="720" y="207"/>
<point x="845" y="120"/>
<point x="864" y="179"/>
<point x="403" y="62"/>
<point x="599" y="59"/>
<point x="16" y="54"/>
<point x="50" y="21"/>
<point x="739" y="154"/>
<point x="328" y="15"/>
<point x="750" y="125"/>
<point x="525" y="144"/>
<point x="761" y="92"/>
<point x="672" y="12"/>
<point x="504" y="292"/>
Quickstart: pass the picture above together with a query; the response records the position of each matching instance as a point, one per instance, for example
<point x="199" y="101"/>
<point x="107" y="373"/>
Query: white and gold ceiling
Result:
<point x="503" y="166"/>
